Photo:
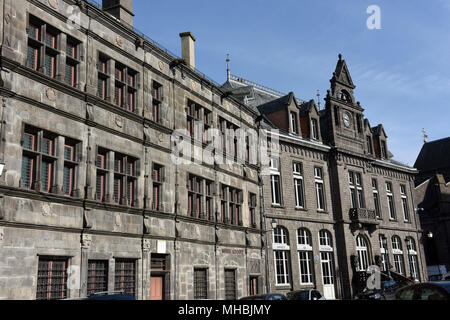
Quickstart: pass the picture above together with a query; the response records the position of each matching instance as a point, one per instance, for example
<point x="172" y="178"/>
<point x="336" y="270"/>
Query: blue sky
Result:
<point x="402" y="71"/>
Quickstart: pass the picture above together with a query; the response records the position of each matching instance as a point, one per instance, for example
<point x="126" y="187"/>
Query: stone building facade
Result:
<point x="432" y="194"/>
<point x="91" y="197"/>
<point x="339" y="201"/>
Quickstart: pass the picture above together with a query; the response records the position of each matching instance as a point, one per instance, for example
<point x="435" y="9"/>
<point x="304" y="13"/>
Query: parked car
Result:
<point x="387" y="291"/>
<point x="425" y="291"/>
<point x="268" y="296"/>
<point x="311" y="294"/>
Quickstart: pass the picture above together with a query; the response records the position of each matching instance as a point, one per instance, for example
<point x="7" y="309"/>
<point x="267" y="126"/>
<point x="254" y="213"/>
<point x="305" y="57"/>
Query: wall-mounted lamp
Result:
<point x="274" y="224"/>
<point x="419" y="209"/>
<point x="430" y="235"/>
<point x="2" y="166"/>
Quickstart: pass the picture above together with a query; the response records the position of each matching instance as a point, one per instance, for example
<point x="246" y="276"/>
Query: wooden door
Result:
<point x="156" y="288"/>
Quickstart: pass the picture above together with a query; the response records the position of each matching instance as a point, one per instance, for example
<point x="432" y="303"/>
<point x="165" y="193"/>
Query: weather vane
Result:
<point x="425" y="136"/>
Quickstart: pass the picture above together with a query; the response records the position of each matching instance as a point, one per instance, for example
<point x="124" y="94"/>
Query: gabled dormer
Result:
<point x="284" y="113"/>
<point x="380" y="142"/>
<point x="310" y="121"/>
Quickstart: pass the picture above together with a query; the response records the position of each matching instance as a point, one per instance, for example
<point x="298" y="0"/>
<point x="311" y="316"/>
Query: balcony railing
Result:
<point x="362" y="215"/>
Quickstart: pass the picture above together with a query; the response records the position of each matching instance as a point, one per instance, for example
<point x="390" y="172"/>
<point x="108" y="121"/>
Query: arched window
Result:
<point x="325" y="239"/>
<point x="384" y="252"/>
<point x="399" y="263"/>
<point x="281" y="252"/>
<point x="412" y="257"/>
<point x="363" y="253"/>
<point x="305" y="256"/>
<point x="345" y="96"/>
<point x="280" y="235"/>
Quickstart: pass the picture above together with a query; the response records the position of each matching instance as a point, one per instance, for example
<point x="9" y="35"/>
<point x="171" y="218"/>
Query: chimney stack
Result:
<point x="121" y="9"/>
<point x="187" y="48"/>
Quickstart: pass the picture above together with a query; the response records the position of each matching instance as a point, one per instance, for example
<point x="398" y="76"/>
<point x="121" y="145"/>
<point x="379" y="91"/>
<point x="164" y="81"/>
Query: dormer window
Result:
<point x="369" y="144"/>
<point x="314" y="129"/>
<point x="294" y="122"/>
<point x="383" y="149"/>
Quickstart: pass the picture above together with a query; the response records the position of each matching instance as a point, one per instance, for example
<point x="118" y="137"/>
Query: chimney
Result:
<point x="120" y="9"/>
<point x="187" y="48"/>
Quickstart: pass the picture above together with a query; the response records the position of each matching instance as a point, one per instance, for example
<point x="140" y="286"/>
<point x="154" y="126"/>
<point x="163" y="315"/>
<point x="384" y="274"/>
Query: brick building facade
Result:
<point x="93" y="201"/>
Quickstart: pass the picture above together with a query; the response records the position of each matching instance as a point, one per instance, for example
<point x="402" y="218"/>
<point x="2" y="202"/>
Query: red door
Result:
<point x="156" y="288"/>
<point x="253" y="285"/>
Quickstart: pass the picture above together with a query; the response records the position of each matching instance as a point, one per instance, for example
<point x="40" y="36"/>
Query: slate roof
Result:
<point x="434" y="155"/>
<point x="275" y="105"/>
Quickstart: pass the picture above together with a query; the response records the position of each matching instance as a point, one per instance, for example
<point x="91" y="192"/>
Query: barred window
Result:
<point x="97" y="280"/>
<point x="39" y="161"/>
<point x="52" y="278"/>
<point x="158" y="179"/>
<point x="125" y="276"/>
<point x="200" y="284"/>
<point x="157" y="91"/>
<point x="230" y="284"/>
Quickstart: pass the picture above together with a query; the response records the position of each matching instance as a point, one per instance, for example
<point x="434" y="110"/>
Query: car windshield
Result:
<point x="275" y="297"/>
<point x="299" y="295"/>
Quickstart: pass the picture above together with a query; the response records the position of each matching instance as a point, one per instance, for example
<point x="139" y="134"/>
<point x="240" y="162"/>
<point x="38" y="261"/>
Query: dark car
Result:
<point x="425" y="291"/>
<point x="111" y="295"/>
<point x="268" y="296"/>
<point x="387" y="291"/>
<point x="310" y="294"/>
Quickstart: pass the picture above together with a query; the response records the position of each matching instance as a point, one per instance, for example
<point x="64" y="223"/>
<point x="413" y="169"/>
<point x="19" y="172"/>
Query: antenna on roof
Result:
<point x="318" y="99"/>
<point x="228" y="67"/>
<point x="425" y="136"/>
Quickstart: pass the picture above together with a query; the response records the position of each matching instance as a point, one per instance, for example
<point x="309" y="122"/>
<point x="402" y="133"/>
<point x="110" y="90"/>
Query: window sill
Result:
<point x="279" y="206"/>
<point x="322" y="211"/>
<point x="301" y="209"/>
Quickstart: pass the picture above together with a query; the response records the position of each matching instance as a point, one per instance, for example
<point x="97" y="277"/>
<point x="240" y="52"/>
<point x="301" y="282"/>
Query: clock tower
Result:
<point x="343" y="116"/>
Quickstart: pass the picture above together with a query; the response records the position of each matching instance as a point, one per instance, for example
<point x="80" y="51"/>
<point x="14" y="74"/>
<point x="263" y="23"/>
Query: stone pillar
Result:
<point x="61" y="59"/>
<point x="109" y="190"/>
<point x="59" y="172"/>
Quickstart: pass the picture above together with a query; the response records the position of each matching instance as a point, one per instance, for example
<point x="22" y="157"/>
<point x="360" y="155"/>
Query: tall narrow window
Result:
<point x="405" y="206"/>
<point x="320" y="192"/>
<point x="356" y="190"/>
<point x="369" y="144"/>
<point x="383" y="149"/>
<point x="376" y="198"/>
<point x="29" y="159"/>
<point x="208" y="200"/>
<point x="399" y="263"/>
<point x="281" y="256"/>
<point x="390" y="198"/>
<point x="412" y="258"/>
<point x="230" y="284"/>
<point x="34" y="45"/>
<point x="101" y="176"/>
<point x="314" y="129"/>
<point x="298" y="185"/>
<point x="384" y="252"/>
<point x="363" y="254"/>
<point x="131" y="180"/>
<point x="252" y="209"/>
<point x="234" y="202"/>
<point x="103" y="76"/>
<point x="125" y="276"/>
<point x="72" y="62"/>
<point x="97" y="279"/>
<point x="48" y="163"/>
<point x="305" y="256"/>
<point x="51" y="52"/>
<point x="118" y="178"/>
<point x="326" y="257"/>
<point x="157" y="90"/>
<point x="275" y="181"/>
<point x="200" y="284"/>
<point x="70" y="166"/>
<point x="158" y="179"/>
<point x="294" y="122"/>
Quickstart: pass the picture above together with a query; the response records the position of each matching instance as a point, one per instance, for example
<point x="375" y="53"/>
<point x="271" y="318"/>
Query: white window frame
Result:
<point x="306" y="249"/>
<point x="298" y="176"/>
<point x="405" y="206"/>
<point x="362" y="250"/>
<point x="390" y="196"/>
<point x="318" y="179"/>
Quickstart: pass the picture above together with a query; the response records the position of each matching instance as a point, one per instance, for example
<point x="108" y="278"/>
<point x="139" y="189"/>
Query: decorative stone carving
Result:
<point x="54" y="4"/>
<point x="146" y="244"/>
<point x="118" y="220"/>
<point x="147" y="225"/>
<point x="51" y="94"/>
<point x="46" y="210"/>
<point x="161" y="65"/>
<point x="86" y="240"/>
<point x="118" y="121"/>
<point x="87" y="223"/>
<point x="119" y="41"/>
<point x="7" y="18"/>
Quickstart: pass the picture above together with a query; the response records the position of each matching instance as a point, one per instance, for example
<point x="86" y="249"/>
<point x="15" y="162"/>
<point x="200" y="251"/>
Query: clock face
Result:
<point x="346" y="119"/>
